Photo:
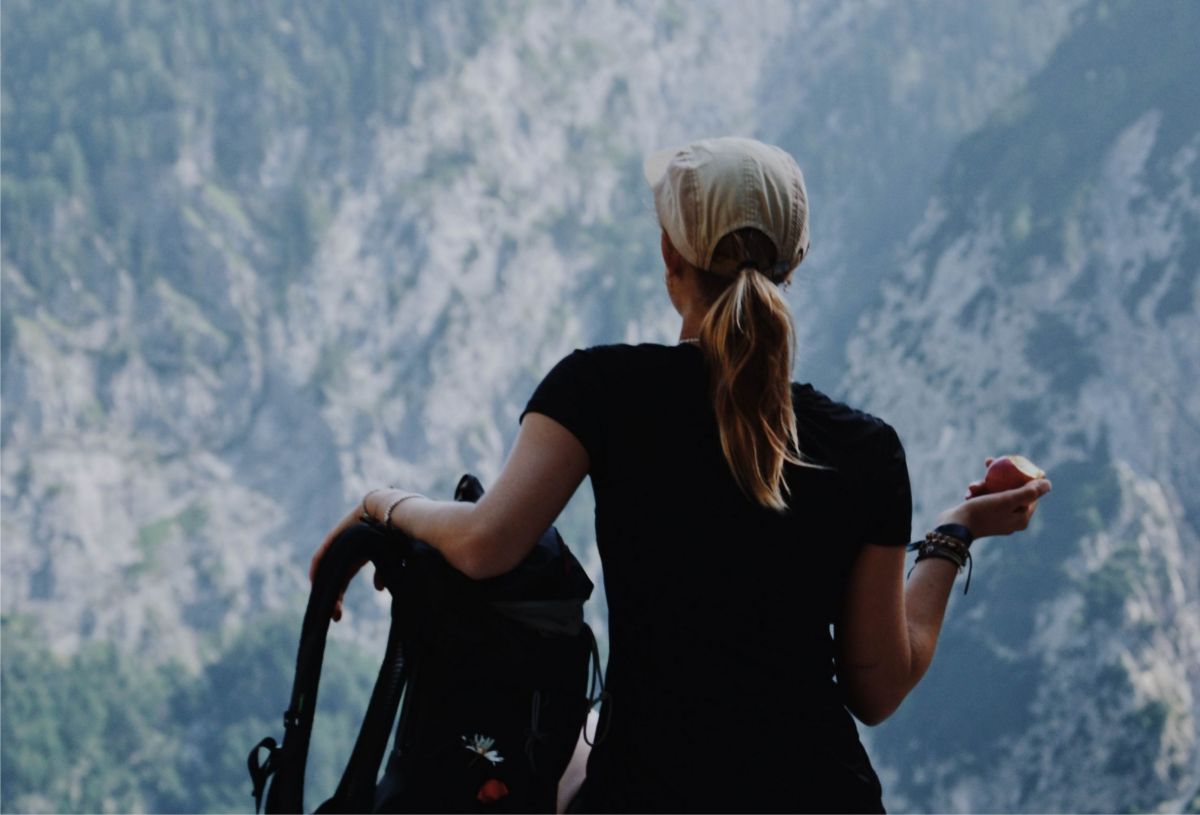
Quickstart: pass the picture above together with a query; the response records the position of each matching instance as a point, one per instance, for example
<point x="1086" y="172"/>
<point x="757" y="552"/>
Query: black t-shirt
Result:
<point x="721" y="661"/>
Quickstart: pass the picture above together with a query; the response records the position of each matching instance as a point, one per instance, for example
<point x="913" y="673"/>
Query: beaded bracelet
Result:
<point x="960" y="531"/>
<point x="946" y="547"/>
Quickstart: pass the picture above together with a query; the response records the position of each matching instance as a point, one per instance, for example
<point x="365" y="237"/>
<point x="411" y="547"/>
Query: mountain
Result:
<point x="1050" y="296"/>
<point x="260" y="257"/>
<point x="257" y="258"/>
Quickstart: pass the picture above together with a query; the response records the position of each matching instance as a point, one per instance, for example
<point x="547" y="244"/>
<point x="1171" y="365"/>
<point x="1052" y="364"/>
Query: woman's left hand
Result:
<point x="352" y="518"/>
<point x="999" y="513"/>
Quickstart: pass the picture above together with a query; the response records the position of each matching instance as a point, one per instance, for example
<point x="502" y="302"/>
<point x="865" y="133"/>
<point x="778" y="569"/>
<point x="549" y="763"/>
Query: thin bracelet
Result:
<point x="387" y="516"/>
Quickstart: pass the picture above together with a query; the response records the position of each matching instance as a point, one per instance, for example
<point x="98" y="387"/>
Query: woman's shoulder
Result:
<point x="626" y="357"/>
<point x="646" y="350"/>
<point x="839" y="432"/>
<point x="817" y="403"/>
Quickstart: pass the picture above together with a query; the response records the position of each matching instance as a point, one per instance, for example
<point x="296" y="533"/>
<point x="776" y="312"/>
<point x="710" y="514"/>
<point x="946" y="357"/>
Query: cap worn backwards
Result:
<point x="708" y="188"/>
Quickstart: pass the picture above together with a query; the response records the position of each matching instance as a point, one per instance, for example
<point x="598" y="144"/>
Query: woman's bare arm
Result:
<point x="490" y="537"/>
<point x="889" y="628"/>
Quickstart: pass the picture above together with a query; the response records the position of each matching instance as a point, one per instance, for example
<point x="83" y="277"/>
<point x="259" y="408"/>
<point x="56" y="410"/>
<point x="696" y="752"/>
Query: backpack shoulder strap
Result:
<point x="281" y="775"/>
<point x="356" y="790"/>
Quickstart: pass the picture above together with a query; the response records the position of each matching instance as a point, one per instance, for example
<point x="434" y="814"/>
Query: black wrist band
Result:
<point x="956" y="531"/>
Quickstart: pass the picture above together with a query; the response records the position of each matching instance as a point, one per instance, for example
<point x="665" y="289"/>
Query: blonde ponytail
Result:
<point x="748" y="343"/>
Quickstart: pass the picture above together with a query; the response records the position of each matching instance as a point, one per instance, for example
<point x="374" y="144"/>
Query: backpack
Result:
<point x="490" y="678"/>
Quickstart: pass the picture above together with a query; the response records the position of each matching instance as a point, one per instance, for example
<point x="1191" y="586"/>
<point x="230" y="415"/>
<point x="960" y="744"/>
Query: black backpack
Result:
<point x="494" y="677"/>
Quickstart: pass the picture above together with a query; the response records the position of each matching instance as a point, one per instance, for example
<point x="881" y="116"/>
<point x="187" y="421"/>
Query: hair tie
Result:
<point x="777" y="273"/>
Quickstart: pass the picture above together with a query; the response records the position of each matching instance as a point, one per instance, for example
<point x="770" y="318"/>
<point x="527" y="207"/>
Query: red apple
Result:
<point x="1010" y="472"/>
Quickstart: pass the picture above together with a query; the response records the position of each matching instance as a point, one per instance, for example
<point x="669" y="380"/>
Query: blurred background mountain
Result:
<point x="260" y="257"/>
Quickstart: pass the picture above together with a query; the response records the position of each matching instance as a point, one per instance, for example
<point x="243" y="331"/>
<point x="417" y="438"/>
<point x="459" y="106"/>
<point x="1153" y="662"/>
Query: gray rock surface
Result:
<point x="1005" y="259"/>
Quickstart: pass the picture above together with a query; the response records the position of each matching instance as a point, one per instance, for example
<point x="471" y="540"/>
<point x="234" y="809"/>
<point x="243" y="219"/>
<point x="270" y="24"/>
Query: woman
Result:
<point x="739" y="518"/>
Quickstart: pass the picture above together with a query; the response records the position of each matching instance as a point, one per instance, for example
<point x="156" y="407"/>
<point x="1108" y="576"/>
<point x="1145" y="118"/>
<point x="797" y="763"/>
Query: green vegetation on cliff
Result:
<point x="103" y="732"/>
<point x="102" y="99"/>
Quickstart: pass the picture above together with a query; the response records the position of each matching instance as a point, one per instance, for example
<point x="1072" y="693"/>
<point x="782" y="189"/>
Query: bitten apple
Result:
<point x="1010" y="472"/>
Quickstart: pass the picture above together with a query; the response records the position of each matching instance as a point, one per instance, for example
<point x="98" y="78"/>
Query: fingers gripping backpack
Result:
<point x="490" y="679"/>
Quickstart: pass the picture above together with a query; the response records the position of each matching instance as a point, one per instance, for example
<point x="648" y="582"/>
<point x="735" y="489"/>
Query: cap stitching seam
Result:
<point x="797" y="196"/>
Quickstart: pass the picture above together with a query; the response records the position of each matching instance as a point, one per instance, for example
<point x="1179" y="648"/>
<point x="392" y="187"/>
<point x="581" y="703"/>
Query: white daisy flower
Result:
<point x="482" y="745"/>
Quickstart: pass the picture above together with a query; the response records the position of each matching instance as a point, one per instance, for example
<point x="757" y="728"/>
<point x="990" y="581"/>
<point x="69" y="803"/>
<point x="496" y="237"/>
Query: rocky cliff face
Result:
<point x="1051" y="296"/>
<point x="257" y="259"/>
<point x="209" y="351"/>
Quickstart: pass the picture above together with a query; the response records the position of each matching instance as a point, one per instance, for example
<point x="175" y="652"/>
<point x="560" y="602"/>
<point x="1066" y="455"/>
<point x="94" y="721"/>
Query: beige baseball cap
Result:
<point x="709" y="188"/>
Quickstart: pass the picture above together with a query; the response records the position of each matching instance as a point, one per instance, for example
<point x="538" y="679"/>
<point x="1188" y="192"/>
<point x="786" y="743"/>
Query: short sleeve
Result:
<point x="889" y="493"/>
<point x="571" y="395"/>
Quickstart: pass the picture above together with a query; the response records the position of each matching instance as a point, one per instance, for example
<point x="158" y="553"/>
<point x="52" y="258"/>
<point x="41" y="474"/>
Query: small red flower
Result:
<point x="492" y="791"/>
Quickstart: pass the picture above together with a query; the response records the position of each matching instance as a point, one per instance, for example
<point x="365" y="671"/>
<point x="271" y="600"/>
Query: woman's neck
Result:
<point x="691" y="326"/>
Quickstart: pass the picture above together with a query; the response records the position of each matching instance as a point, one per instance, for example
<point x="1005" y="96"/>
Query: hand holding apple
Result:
<point x="1005" y="473"/>
<point x="1003" y="501"/>
<point x="1000" y="513"/>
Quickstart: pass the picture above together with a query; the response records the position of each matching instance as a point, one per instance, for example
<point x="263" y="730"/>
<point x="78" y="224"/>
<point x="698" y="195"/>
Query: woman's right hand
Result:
<point x="996" y="513"/>
<point x="354" y="516"/>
